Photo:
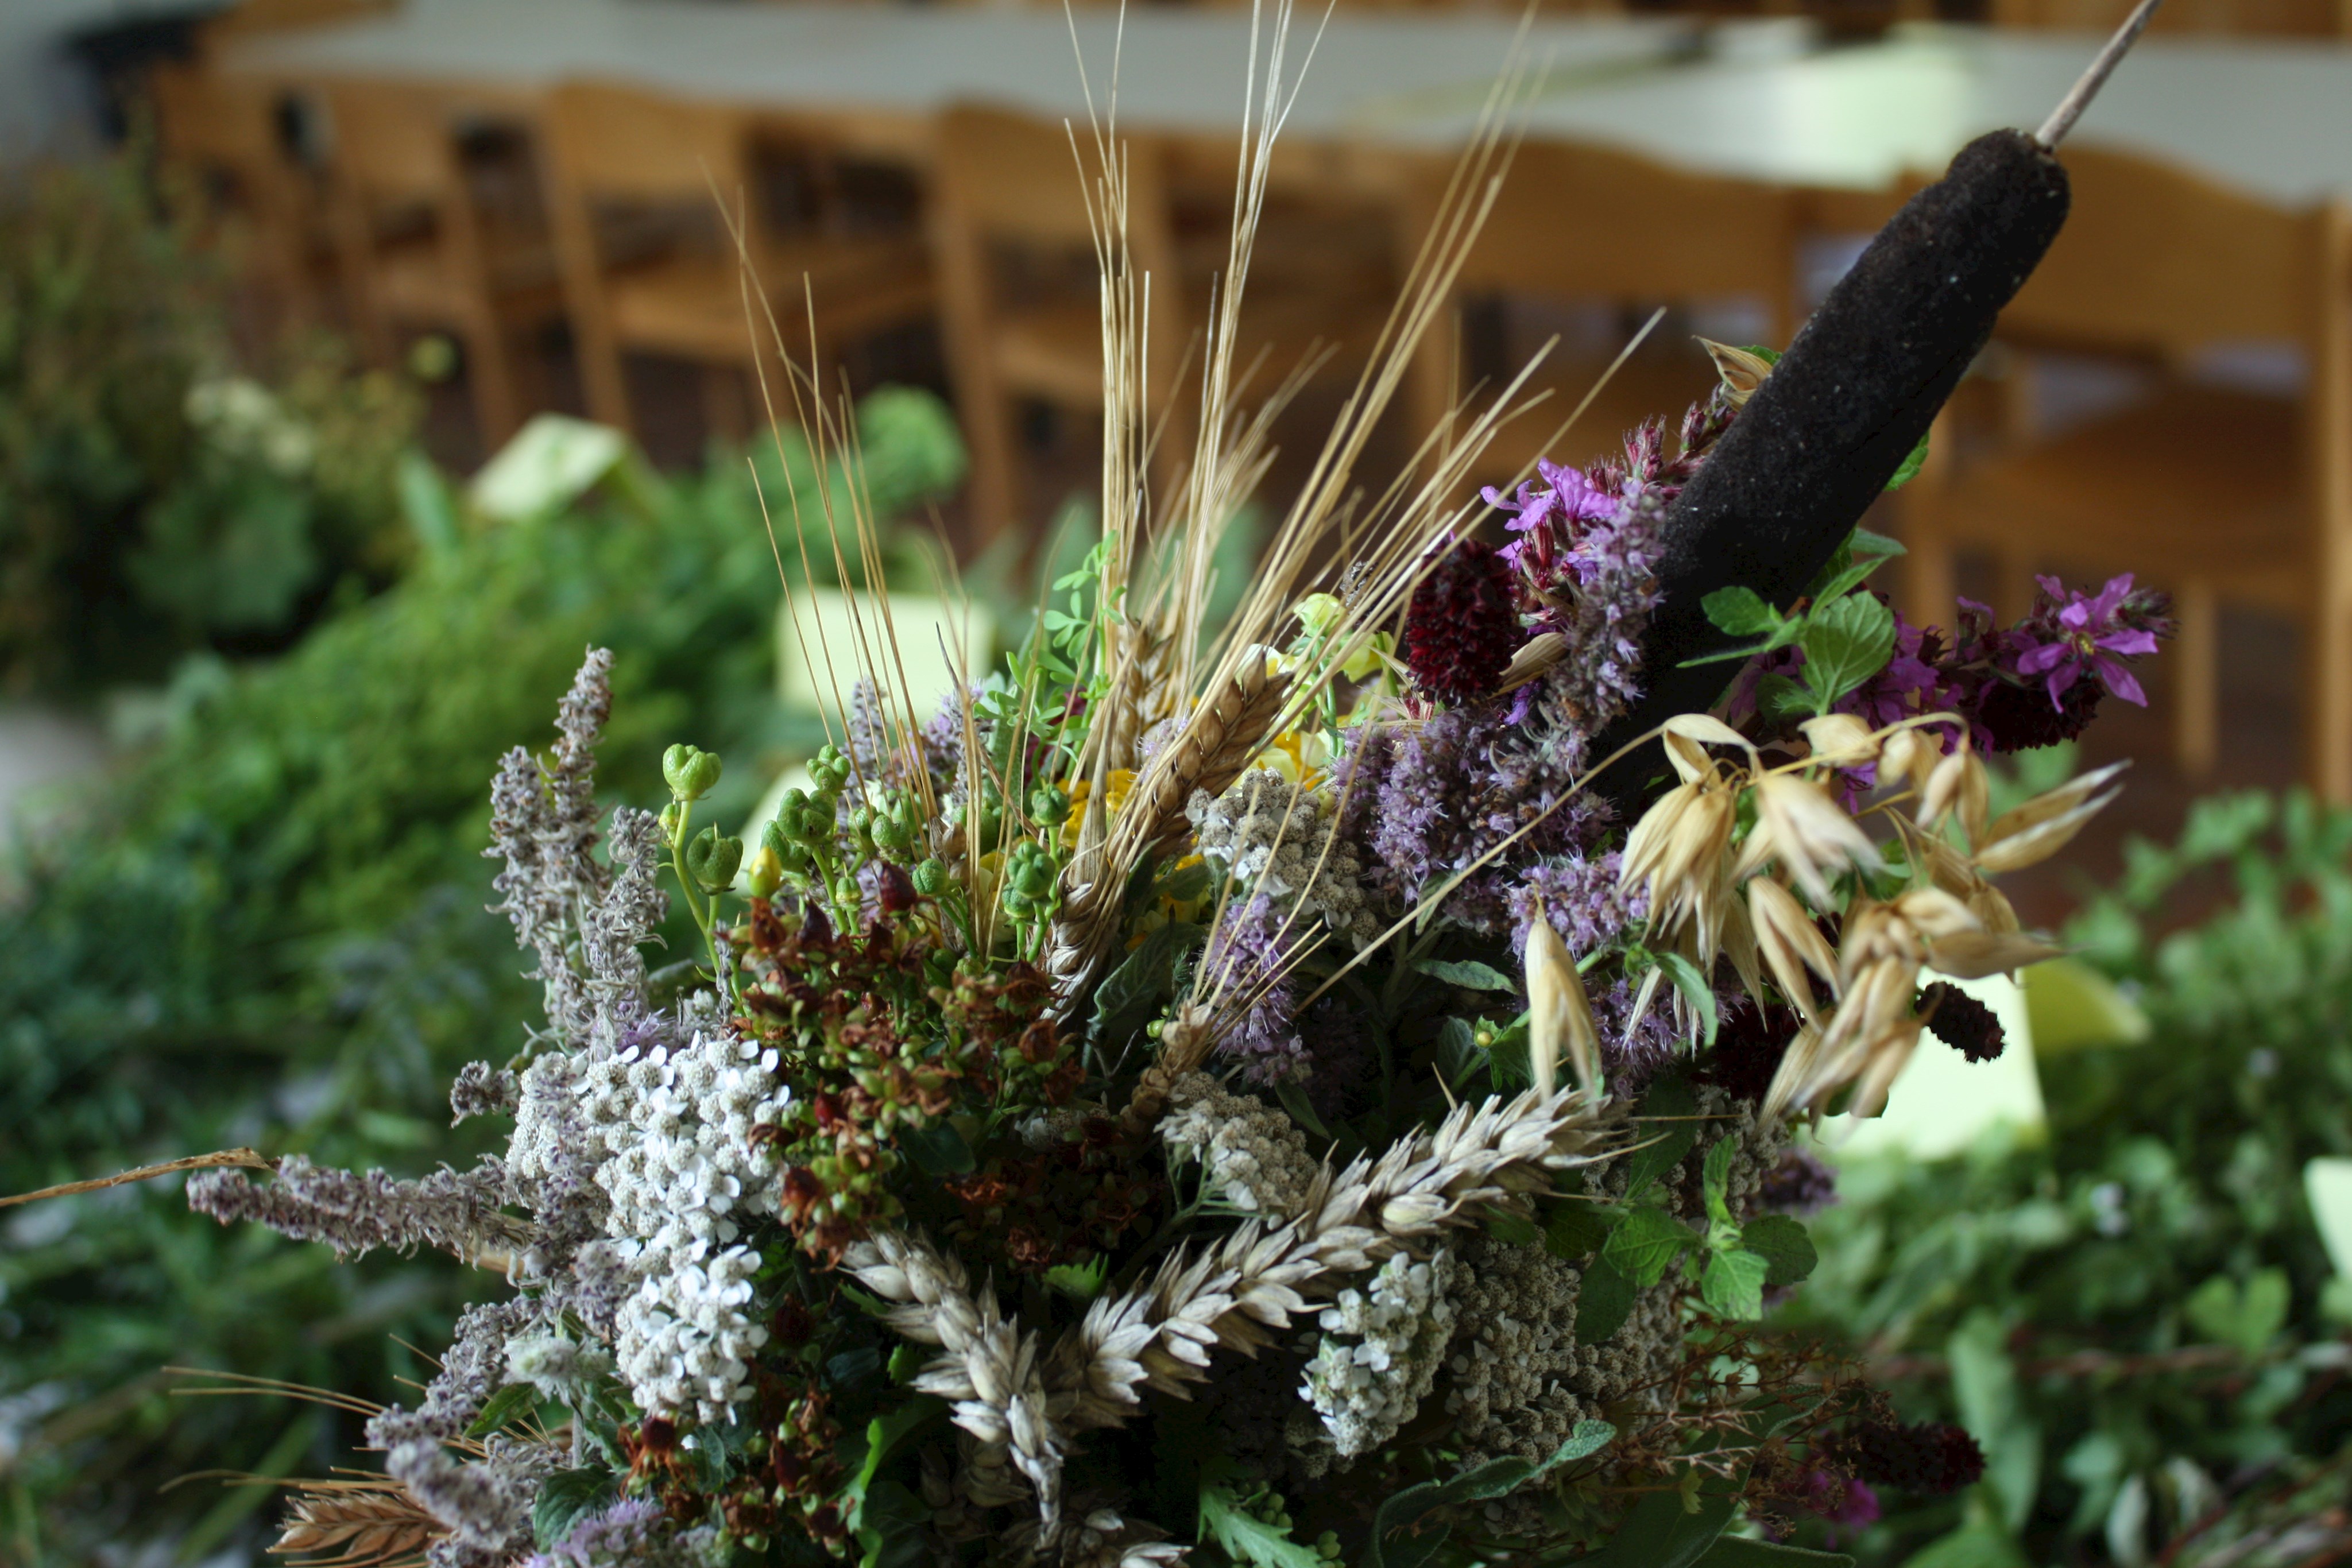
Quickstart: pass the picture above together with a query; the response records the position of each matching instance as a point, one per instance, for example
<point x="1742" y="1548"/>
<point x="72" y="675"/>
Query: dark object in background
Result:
<point x="1962" y="1022"/>
<point x="1853" y="394"/>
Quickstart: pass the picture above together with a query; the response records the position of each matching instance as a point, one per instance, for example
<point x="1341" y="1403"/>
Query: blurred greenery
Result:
<point x="270" y="930"/>
<point x="2135" y="1316"/>
<point x="152" y="499"/>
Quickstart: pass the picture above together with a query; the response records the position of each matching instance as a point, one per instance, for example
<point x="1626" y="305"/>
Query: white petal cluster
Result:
<point x="1275" y="839"/>
<point x="666" y="1124"/>
<point x="1253" y="1156"/>
<point x="1380" y="1352"/>
<point x="559" y="1367"/>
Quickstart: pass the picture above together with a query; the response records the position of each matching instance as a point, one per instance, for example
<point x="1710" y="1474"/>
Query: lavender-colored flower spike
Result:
<point x="543" y="825"/>
<point x="456" y="1211"/>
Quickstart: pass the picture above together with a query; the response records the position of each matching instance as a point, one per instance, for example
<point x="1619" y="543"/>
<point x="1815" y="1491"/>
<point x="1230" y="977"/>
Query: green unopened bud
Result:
<point x="712" y="861"/>
<point x="845" y="892"/>
<point x="1049" y="805"/>
<point x="829" y="770"/>
<point x="766" y="873"/>
<point x="931" y="878"/>
<point x="774" y="840"/>
<point x="690" y="773"/>
<point x="671" y="816"/>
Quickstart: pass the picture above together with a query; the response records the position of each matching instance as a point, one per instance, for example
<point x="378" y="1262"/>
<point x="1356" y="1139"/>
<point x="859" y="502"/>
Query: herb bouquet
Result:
<point x="1314" y="1088"/>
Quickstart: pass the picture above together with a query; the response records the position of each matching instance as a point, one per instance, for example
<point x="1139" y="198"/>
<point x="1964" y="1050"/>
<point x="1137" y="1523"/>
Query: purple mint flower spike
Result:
<point x="2093" y="631"/>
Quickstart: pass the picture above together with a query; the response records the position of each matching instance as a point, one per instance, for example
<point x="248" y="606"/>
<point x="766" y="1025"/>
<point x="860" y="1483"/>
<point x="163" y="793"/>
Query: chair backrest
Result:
<point x="1577" y="220"/>
<point x="613" y="143"/>
<point x="2154" y="259"/>
<point x="394" y="142"/>
<point x="1013" y="176"/>
<point x="205" y="119"/>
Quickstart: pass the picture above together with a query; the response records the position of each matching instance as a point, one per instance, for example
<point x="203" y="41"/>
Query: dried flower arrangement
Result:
<point x="1316" y="1088"/>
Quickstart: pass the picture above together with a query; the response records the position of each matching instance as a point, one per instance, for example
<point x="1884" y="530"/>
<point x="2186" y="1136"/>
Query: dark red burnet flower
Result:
<point x="1460" y="631"/>
<point x="1928" y="1456"/>
<point x="1962" y="1022"/>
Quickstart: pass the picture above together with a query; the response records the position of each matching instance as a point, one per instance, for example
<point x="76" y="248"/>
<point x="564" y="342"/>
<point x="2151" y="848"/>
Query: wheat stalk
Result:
<point x="366" y="1523"/>
<point x="1237" y="1292"/>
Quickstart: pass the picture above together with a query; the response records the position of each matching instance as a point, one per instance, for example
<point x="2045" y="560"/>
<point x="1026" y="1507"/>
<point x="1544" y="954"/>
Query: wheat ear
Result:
<point x="1216" y="743"/>
<point x="363" y="1524"/>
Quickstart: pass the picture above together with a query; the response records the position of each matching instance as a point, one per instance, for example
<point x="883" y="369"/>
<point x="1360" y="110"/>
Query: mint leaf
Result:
<point x="1846" y="641"/>
<point x="1645" y="1242"/>
<point x="509" y="1404"/>
<point x="564" y="1496"/>
<point x="1602" y="1303"/>
<point x="1667" y="1134"/>
<point x="1733" y="1285"/>
<point x="1739" y="611"/>
<point x="1717" y="1180"/>
<point x="1781" y="1240"/>
<point x="1782" y="700"/>
<point x="1575" y="1230"/>
<point x="1468" y="973"/>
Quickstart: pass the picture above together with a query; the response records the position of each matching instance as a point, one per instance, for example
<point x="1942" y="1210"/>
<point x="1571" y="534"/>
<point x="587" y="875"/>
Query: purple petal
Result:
<point x="2120" y="681"/>
<point x="2113" y="595"/>
<point x="2051" y="586"/>
<point x="2064" y="676"/>
<point x="2128" y="640"/>
<point x="2035" y="660"/>
<point x="2076" y="616"/>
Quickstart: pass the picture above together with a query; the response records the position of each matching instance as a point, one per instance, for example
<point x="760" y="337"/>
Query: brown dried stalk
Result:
<point x="244" y="1158"/>
<point x="364" y="1523"/>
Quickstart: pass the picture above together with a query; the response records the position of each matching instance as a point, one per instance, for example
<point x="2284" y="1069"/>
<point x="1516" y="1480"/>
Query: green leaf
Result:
<point x="1846" y="641"/>
<point x="936" y="1148"/>
<point x="1781" y="1241"/>
<point x="907" y="1362"/>
<point x="564" y="1496"/>
<point x="1716" y="1179"/>
<point x="888" y="1436"/>
<point x="1466" y="972"/>
<point x="1913" y="460"/>
<point x="1457" y="1048"/>
<point x="1739" y="611"/>
<point x="1247" y="1537"/>
<point x="1575" y="1230"/>
<point x="1733" y="1285"/>
<point x="1079" y="1281"/>
<point x="1644" y="1243"/>
<point x="1668" y="1138"/>
<point x="1782" y="701"/>
<point x="2246" y="1319"/>
<point x="1694" y="989"/>
<point x="894" y="1528"/>
<point x="1512" y="1229"/>
<point x="1292" y="1095"/>
<point x="1741" y="1551"/>
<point x="511" y="1403"/>
<point x="1496" y="1478"/>
<point x="1186" y="884"/>
<point x="1145" y="978"/>
<point x="1603" y="1302"/>
<point x="1662" y="1532"/>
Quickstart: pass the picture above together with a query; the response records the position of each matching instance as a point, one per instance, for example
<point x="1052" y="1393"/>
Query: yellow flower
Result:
<point x="1115" y="793"/>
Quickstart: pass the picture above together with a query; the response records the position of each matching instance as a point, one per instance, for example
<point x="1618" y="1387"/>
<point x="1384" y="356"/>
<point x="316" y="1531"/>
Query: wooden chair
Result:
<point x="1594" y="224"/>
<point x="1021" y="303"/>
<point x="2211" y="493"/>
<point x="2288" y="18"/>
<point x="421" y="251"/>
<point x="221" y="136"/>
<point x="648" y="265"/>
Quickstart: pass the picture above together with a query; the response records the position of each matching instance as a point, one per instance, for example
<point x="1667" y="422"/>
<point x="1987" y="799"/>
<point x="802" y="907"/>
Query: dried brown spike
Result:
<point x="364" y="1526"/>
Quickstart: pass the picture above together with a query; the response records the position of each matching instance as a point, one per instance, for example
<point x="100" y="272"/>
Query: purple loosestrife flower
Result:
<point x="1551" y="511"/>
<point x="2093" y="634"/>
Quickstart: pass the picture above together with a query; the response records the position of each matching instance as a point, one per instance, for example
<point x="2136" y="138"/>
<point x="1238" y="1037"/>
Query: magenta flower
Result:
<point x="2093" y="629"/>
<point x="1559" y="496"/>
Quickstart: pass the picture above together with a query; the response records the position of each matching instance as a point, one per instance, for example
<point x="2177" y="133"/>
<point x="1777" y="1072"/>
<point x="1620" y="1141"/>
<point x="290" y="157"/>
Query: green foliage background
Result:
<point x="271" y="931"/>
<point x="2159" y="1238"/>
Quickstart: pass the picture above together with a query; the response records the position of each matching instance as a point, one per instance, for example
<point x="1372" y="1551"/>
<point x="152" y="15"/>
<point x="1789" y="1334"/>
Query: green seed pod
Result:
<point x="690" y="773"/>
<point x="671" y="816"/>
<point x="766" y="874"/>
<point x="713" y="860"/>
<point x="931" y="878"/>
<point x="1049" y="805"/>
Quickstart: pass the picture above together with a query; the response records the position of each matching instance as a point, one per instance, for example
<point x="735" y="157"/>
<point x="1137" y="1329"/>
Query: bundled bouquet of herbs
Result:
<point x="1317" y="1087"/>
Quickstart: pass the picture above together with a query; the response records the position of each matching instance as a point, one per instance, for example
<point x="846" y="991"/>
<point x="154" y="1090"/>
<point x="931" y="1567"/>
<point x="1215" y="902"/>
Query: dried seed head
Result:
<point x="1537" y="654"/>
<point x="1791" y="943"/>
<point x="1908" y="755"/>
<point x="1959" y="784"/>
<point x="2042" y="826"/>
<point x="1559" y="1016"/>
<point x="1841" y="740"/>
<point x="1799" y="825"/>
<point x="1742" y="370"/>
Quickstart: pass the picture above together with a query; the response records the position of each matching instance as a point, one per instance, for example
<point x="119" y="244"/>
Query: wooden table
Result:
<point x="1754" y="101"/>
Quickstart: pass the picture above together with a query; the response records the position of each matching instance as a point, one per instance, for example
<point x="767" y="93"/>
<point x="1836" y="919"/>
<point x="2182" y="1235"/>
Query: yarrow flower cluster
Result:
<point x="1380" y="1351"/>
<point x="1253" y="1156"/>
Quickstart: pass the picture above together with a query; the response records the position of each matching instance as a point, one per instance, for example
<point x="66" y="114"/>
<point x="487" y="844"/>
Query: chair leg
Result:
<point x="490" y="378"/>
<point x="1931" y="582"/>
<point x="2195" y="659"/>
<point x="2329" y="702"/>
<point x="2012" y="592"/>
